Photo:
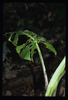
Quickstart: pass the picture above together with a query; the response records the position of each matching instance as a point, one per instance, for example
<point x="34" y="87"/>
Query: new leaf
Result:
<point x="27" y="50"/>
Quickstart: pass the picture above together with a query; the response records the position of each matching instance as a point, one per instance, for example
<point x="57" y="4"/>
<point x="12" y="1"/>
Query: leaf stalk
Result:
<point x="43" y="66"/>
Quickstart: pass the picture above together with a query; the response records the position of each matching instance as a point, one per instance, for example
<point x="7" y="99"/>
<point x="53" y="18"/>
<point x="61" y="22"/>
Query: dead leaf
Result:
<point x="49" y="14"/>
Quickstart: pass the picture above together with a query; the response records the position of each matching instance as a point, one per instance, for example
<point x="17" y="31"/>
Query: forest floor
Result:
<point x="26" y="79"/>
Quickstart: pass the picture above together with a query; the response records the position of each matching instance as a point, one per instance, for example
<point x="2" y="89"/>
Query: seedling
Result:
<point x="27" y="50"/>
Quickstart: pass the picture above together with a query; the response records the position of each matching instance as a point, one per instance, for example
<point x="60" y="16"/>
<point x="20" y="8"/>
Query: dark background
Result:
<point x="45" y="19"/>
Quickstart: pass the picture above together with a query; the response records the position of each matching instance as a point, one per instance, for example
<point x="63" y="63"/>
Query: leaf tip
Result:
<point x="55" y="53"/>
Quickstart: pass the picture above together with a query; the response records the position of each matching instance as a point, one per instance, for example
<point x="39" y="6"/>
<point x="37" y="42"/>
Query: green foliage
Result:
<point x="26" y="50"/>
<point x="60" y="71"/>
<point x="31" y="16"/>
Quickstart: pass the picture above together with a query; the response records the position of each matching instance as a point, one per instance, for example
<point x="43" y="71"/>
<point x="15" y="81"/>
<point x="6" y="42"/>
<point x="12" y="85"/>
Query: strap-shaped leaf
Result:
<point x="26" y="50"/>
<point x="56" y="78"/>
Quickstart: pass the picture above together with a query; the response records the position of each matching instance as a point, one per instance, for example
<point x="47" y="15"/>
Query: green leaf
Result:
<point x="25" y="53"/>
<point x="50" y="47"/>
<point x="56" y="78"/>
<point x="15" y="41"/>
<point x="26" y="50"/>
<point x="32" y="50"/>
<point x="18" y="48"/>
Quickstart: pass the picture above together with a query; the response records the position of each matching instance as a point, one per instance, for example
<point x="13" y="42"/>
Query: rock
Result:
<point x="8" y="93"/>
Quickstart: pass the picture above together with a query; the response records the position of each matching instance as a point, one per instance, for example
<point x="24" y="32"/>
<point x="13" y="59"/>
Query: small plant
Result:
<point x="26" y="51"/>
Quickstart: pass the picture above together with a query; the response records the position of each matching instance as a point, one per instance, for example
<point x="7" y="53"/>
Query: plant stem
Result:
<point x="43" y="66"/>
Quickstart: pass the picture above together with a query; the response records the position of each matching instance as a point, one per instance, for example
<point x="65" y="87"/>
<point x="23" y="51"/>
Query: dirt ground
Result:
<point x="27" y="79"/>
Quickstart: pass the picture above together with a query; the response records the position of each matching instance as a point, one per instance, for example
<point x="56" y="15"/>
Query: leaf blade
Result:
<point x="50" y="47"/>
<point x="33" y="38"/>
